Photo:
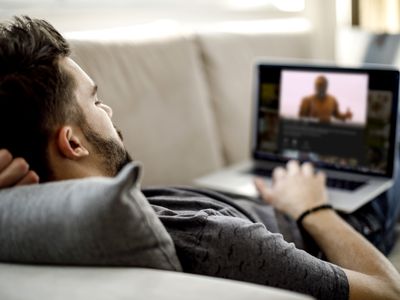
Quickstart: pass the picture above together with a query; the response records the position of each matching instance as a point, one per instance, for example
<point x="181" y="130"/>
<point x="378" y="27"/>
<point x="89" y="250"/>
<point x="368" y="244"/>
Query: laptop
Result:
<point x="341" y="119"/>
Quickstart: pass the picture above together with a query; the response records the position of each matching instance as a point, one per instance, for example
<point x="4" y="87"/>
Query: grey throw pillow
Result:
<point x="93" y="221"/>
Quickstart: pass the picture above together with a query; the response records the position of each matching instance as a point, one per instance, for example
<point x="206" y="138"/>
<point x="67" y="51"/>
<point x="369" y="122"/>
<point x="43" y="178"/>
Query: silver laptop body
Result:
<point x="345" y="126"/>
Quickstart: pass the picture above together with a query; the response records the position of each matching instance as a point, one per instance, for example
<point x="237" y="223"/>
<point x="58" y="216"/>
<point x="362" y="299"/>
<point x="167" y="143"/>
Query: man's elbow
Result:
<point x="390" y="288"/>
<point x="396" y="289"/>
<point x="381" y="286"/>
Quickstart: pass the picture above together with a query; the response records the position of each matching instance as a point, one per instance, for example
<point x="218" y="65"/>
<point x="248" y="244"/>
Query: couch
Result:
<point x="182" y="98"/>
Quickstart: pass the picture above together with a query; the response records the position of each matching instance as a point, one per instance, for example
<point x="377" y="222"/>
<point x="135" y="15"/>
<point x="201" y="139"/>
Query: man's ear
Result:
<point x="70" y="144"/>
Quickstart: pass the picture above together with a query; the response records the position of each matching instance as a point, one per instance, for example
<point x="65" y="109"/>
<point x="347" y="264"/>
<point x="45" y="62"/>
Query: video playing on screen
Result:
<point x="324" y="97"/>
<point x="323" y="116"/>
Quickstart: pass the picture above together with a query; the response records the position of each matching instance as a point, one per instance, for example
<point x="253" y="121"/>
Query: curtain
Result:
<point x="377" y="15"/>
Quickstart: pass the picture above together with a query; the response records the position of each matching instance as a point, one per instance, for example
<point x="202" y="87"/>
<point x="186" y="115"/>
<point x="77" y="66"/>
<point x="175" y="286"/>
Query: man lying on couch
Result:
<point x="51" y="116"/>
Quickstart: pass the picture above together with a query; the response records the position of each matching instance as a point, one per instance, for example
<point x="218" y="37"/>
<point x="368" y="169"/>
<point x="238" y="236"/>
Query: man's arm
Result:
<point x="297" y="189"/>
<point x="348" y="115"/>
<point x="370" y="274"/>
<point x="15" y="171"/>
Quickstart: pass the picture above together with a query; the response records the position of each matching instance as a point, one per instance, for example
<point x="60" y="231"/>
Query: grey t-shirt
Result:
<point x="216" y="237"/>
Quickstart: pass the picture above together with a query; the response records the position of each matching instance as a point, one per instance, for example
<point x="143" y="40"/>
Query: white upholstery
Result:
<point x="21" y="282"/>
<point x="182" y="99"/>
<point x="158" y="92"/>
<point x="228" y="61"/>
<point x="351" y="46"/>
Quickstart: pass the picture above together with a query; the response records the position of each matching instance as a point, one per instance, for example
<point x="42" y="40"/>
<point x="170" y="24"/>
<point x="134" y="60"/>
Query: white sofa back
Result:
<point x="228" y="58"/>
<point x="160" y="99"/>
<point x="183" y="99"/>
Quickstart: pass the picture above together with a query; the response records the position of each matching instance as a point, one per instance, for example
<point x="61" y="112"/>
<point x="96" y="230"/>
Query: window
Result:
<point x="90" y="14"/>
<point x="378" y="16"/>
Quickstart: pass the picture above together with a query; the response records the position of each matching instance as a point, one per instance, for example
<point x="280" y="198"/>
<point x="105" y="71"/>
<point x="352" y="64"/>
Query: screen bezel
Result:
<point x="372" y="71"/>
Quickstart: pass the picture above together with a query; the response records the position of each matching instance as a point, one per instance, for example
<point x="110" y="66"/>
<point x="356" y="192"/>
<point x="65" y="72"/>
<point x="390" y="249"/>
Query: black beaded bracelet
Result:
<point x="310" y="211"/>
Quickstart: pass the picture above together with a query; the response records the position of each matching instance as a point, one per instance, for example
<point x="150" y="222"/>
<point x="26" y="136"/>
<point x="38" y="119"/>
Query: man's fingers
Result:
<point x="13" y="173"/>
<point x="278" y="173"/>
<point x="322" y="177"/>
<point x="293" y="167"/>
<point x="263" y="190"/>
<point x="307" y="169"/>
<point x="30" y="178"/>
<point x="5" y="159"/>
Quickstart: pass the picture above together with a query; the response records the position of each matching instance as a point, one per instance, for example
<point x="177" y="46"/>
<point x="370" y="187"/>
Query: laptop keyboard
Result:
<point x="343" y="184"/>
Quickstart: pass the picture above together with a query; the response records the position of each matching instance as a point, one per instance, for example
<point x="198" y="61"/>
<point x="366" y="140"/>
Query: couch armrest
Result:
<point x="58" y="283"/>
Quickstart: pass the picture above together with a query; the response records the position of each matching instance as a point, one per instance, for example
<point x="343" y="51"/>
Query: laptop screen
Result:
<point x="338" y="118"/>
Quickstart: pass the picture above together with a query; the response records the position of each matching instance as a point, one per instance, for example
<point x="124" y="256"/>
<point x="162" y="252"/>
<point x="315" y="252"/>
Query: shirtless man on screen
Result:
<point x="321" y="105"/>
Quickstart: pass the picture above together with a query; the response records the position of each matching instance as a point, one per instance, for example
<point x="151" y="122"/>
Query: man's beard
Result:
<point x="113" y="156"/>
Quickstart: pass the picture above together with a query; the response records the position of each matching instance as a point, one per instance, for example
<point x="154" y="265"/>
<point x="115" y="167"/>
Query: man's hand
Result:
<point x="297" y="189"/>
<point x="294" y="189"/>
<point x="15" y="171"/>
<point x="348" y="115"/>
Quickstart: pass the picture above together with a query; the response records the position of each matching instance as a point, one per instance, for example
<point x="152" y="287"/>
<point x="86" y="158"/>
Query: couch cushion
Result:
<point x="156" y="87"/>
<point x="66" y="283"/>
<point x="228" y="59"/>
<point x="352" y="45"/>
<point x="94" y="221"/>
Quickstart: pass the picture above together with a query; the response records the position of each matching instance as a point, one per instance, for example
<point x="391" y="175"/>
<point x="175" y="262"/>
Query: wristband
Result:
<point x="312" y="210"/>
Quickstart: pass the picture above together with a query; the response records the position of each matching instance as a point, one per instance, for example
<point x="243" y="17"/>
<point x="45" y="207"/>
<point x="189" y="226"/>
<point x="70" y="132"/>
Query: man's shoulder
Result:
<point x="307" y="99"/>
<point x="186" y="201"/>
<point x="331" y="99"/>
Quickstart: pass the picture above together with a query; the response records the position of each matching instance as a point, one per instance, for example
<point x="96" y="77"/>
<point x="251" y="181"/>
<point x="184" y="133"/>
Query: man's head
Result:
<point x="50" y="114"/>
<point x="321" y="86"/>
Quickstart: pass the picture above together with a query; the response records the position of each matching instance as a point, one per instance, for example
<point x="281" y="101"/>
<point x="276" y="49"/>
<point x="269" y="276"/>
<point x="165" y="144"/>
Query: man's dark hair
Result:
<point x="36" y="93"/>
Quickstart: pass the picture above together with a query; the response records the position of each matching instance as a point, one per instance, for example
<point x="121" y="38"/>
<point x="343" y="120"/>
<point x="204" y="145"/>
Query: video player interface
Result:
<point x="331" y="117"/>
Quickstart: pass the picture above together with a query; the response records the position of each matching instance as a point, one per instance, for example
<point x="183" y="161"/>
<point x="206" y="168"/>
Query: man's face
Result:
<point x="321" y="86"/>
<point x="100" y="132"/>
